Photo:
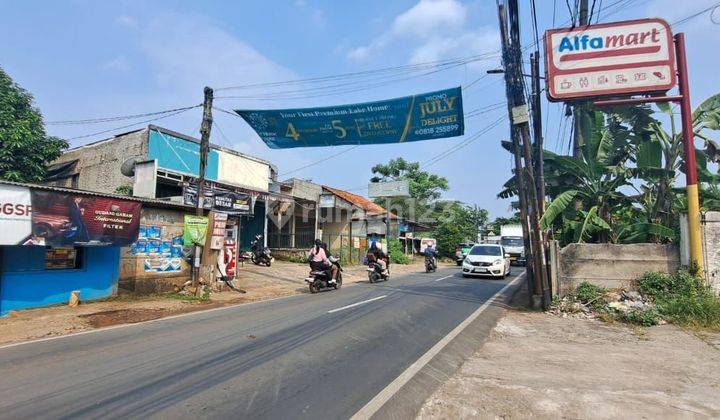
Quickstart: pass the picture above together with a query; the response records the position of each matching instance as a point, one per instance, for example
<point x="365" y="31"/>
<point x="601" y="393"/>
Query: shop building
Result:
<point x="56" y="241"/>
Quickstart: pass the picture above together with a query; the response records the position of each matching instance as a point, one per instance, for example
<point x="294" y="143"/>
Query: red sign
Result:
<point x="61" y="219"/>
<point x="620" y="58"/>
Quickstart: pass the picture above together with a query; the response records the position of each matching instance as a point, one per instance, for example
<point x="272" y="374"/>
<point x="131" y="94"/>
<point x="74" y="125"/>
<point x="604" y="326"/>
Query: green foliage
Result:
<point x="424" y="187"/>
<point x="25" y="149"/>
<point x="124" y="190"/>
<point x="396" y="254"/>
<point x="456" y="223"/>
<point x="682" y="298"/>
<point x="590" y="294"/>
<point x="647" y="317"/>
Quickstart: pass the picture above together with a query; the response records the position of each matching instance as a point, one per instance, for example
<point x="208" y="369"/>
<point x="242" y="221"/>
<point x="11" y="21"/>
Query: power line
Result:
<point x="118" y="118"/>
<point x="317" y="162"/>
<point x="132" y="125"/>
<point x="694" y="15"/>
<point x="408" y="67"/>
<point x="437" y="158"/>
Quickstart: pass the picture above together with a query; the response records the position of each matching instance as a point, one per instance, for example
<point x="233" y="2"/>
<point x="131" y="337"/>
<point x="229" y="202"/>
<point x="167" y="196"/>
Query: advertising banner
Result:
<point x="15" y="215"/>
<point x="64" y="219"/>
<point x="629" y="57"/>
<point x="230" y="202"/>
<point x="426" y="116"/>
<point x="195" y="230"/>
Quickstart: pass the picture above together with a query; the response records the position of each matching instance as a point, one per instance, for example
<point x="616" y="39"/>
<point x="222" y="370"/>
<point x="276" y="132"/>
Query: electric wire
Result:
<point x="118" y="118"/>
<point x="131" y="125"/>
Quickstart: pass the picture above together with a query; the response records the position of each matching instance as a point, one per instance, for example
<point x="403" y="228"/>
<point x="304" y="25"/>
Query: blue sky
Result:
<point x="87" y="59"/>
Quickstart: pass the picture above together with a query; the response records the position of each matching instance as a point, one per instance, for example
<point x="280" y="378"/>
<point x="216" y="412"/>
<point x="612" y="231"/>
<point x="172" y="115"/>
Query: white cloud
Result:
<point x="435" y="29"/>
<point x="190" y="52"/>
<point x="119" y="63"/>
<point x="429" y="16"/>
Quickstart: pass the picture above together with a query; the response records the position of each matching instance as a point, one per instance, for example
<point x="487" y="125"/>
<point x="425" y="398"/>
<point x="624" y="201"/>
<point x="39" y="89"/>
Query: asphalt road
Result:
<point x="305" y="356"/>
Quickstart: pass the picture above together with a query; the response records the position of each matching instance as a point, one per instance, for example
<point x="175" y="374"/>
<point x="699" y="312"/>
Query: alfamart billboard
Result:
<point x="427" y="116"/>
<point x="619" y="58"/>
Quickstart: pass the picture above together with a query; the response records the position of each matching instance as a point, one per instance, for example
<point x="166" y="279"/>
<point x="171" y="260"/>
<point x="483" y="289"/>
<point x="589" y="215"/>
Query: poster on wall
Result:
<point x="195" y="230"/>
<point x="229" y="202"/>
<point x="162" y="251"/>
<point x="217" y="237"/>
<point x="15" y="215"/>
<point x="62" y="219"/>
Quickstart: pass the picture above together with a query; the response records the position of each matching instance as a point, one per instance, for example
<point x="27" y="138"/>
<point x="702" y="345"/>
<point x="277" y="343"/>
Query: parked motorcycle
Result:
<point x="320" y="280"/>
<point x="260" y="255"/>
<point x="375" y="273"/>
<point x="430" y="264"/>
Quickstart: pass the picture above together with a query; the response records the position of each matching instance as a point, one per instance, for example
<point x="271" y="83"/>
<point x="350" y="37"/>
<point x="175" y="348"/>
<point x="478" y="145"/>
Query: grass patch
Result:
<point x="682" y="298"/>
<point x="190" y="298"/>
<point x="590" y="294"/>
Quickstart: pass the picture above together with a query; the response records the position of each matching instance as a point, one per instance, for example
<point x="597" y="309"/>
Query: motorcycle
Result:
<point x="320" y="280"/>
<point x="375" y="273"/>
<point x="260" y="255"/>
<point x="430" y="264"/>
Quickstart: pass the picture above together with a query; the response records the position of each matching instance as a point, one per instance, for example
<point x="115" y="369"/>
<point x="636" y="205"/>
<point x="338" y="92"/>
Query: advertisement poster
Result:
<point x="15" y="215"/>
<point x="63" y="219"/>
<point x="427" y="116"/>
<point x="217" y="237"/>
<point x="163" y="254"/>
<point x="195" y="230"/>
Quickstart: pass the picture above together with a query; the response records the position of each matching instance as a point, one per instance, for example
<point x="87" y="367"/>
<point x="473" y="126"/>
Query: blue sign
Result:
<point x="180" y="155"/>
<point x="427" y="116"/>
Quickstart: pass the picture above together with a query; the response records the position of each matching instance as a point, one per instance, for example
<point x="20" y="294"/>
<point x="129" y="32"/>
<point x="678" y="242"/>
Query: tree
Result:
<point x="25" y="149"/>
<point x="457" y="223"/>
<point x="425" y="188"/>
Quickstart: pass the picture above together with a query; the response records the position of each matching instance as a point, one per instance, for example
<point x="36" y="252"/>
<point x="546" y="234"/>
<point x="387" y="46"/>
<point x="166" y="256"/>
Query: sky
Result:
<point x="85" y="59"/>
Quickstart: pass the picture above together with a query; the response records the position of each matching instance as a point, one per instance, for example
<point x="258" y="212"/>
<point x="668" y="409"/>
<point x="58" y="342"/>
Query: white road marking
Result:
<point x="356" y="304"/>
<point x="443" y="278"/>
<point x="389" y="391"/>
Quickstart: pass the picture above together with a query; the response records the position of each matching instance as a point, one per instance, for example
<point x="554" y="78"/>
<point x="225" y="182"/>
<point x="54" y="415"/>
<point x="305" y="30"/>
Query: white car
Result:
<point x="486" y="260"/>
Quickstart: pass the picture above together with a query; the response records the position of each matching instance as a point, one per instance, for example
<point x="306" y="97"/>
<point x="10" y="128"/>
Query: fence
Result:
<point x="301" y="240"/>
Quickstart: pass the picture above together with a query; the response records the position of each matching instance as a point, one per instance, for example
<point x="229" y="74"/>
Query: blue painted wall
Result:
<point x="25" y="283"/>
<point x="180" y="155"/>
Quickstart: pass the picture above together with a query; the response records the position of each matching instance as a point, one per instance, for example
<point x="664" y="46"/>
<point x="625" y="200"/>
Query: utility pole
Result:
<point x="580" y="124"/>
<point x="519" y="121"/>
<point x="515" y="136"/>
<point x="205" y="128"/>
<point x="537" y="130"/>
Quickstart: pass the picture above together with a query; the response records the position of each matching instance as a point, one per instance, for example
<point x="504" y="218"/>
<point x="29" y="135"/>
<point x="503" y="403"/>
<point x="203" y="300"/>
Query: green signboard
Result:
<point x="427" y="116"/>
<point x="195" y="230"/>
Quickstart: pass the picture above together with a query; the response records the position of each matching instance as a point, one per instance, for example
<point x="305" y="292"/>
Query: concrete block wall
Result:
<point x="710" y="225"/>
<point x="99" y="163"/>
<point x="611" y="265"/>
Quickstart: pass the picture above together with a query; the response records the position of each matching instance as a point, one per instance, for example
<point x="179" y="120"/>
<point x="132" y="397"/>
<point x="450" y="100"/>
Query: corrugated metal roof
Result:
<point x="151" y="201"/>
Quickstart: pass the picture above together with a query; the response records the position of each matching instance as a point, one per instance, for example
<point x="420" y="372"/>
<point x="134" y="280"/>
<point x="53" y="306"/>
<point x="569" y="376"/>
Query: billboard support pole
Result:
<point x="691" y="182"/>
<point x="693" y="199"/>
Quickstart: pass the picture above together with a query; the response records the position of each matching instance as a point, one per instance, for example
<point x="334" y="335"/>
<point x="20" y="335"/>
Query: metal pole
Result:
<point x="693" y="199"/>
<point x="205" y="127"/>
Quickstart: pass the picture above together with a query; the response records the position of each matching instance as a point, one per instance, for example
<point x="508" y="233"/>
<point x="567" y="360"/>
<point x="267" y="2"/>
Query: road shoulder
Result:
<point x="543" y="366"/>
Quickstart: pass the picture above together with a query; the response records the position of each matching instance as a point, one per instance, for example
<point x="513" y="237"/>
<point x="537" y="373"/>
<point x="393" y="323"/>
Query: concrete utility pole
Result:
<point x="537" y="130"/>
<point x="512" y="56"/>
<point x="502" y="19"/>
<point x="579" y="122"/>
<point x="205" y="128"/>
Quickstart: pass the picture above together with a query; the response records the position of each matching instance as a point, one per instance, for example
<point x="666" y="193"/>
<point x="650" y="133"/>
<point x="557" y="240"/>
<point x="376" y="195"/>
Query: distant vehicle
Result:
<point x="461" y="251"/>
<point x="486" y="260"/>
<point x="511" y="238"/>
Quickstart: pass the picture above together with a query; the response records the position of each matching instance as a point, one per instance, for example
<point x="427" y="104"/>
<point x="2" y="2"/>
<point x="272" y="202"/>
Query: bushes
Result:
<point x="590" y="294"/>
<point x="682" y="298"/>
<point x="396" y="254"/>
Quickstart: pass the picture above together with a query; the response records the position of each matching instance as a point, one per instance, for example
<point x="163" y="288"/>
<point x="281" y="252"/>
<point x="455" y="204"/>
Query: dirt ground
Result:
<point x="260" y="283"/>
<point x="543" y="366"/>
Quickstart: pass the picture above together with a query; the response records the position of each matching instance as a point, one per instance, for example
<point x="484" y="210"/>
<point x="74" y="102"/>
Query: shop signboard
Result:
<point x="230" y="202"/>
<point x="619" y="58"/>
<point x="195" y="230"/>
<point x="426" y="116"/>
<point x="65" y="219"/>
<point x="15" y="215"/>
